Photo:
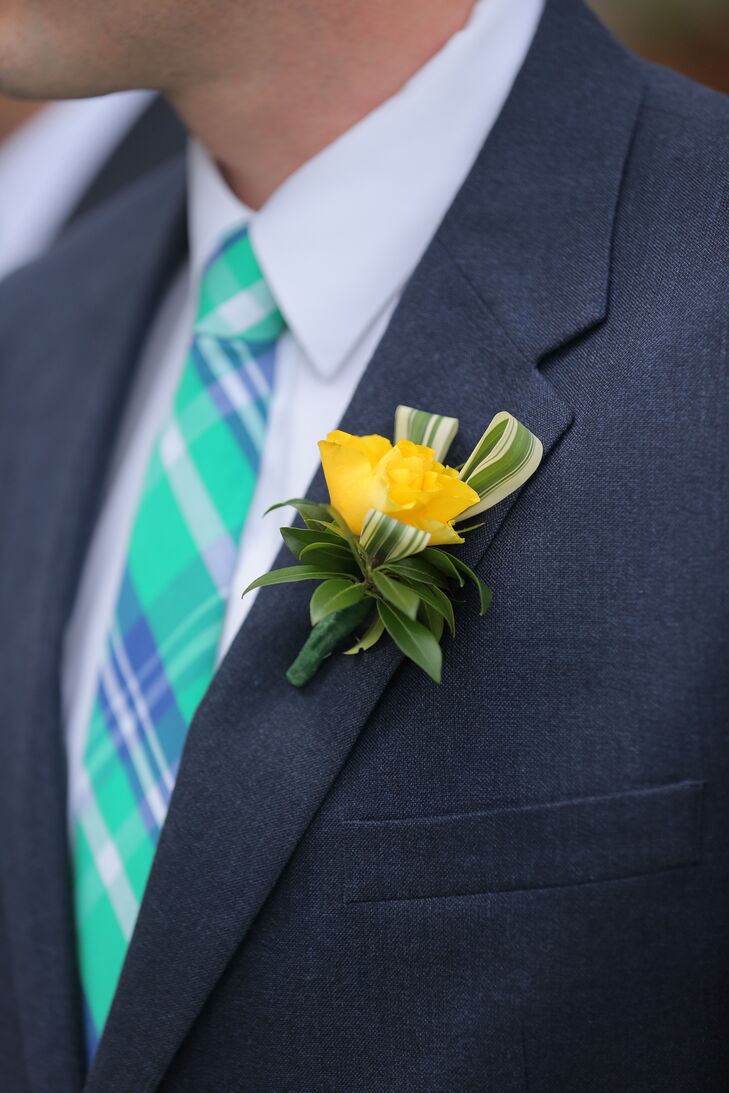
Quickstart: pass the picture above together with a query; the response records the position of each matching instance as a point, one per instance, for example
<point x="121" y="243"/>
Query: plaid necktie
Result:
<point x="162" y="644"/>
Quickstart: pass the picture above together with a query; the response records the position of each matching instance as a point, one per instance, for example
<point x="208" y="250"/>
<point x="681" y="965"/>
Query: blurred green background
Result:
<point x="690" y="35"/>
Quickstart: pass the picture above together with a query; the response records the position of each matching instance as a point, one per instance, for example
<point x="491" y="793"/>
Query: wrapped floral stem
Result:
<point x="324" y="638"/>
<point x="377" y="550"/>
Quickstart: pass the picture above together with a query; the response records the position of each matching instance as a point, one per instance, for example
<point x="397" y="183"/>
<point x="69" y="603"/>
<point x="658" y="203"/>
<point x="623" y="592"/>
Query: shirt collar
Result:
<point x="340" y="237"/>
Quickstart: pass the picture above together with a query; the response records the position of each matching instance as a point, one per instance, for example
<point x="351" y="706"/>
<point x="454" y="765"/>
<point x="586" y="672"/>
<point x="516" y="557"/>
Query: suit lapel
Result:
<point x="62" y="404"/>
<point x="155" y="138"/>
<point x="519" y="267"/>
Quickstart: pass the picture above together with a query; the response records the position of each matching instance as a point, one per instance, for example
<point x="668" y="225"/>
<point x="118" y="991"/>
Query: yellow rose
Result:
<point x="405" y="481"/>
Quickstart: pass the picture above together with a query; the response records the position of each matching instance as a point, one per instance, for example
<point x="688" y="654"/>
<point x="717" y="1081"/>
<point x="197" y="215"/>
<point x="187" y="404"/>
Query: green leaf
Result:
<point x="484" y="592"/>
<point x="439" y="602"/>
<point x="328" y="527"/>
<point x="385" y="539"/>
<point x="307" y="510"/>
<point x="298" y="538"/>
<point x="333" y="595"/>
<point x="504" y="458"/>
<point x="442" y="561"/>
<point x="289" y="574"/>
<point x="370" y="638"/>
<point x="340" y="527"/>
<point x="416" y="569"/>
<point x="413" y="639"/>
<point x="485" y="446"/>
<point x="434" y="430"/>
<point x="432" y="620"/>
<point x="336" y="549"/>
<point x="336" y="558"/>
<point x="399" y="595"/>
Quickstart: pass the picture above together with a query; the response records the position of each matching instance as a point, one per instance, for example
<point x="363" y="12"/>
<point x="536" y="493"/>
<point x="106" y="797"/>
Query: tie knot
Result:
<point x="235" y="301"/>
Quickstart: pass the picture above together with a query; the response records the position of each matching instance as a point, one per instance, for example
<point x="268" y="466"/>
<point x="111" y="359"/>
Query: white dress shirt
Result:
<point x="47" y="164"/>
<point x="337" y="242"/>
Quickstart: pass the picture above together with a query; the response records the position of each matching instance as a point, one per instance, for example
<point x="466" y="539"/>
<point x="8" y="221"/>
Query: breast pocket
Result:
<point x="537" y="846"/>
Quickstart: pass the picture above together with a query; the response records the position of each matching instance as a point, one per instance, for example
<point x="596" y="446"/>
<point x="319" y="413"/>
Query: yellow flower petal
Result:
<point x="440" y="534"/>
<point x="373" y="446"/>
<point x="353" y="489"/>
<point x="405" y="481"/>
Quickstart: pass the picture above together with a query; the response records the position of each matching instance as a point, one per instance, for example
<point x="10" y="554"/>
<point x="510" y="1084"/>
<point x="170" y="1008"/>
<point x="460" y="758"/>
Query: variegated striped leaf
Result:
<point x="385" y="539"/>
<point x="423" y="428"/>
<point x="504" y="458"/>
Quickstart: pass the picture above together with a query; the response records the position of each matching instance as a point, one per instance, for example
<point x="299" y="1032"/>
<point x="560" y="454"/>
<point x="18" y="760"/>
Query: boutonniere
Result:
<point x="385" y="548"/>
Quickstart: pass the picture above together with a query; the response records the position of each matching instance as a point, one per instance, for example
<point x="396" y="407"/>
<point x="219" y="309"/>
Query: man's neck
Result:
<point x="313" y="77"/>
<point x="14" y="112"/>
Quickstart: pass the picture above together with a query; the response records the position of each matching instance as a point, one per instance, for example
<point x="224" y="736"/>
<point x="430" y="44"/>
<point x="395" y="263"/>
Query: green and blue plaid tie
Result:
<point x="162" y="644"/>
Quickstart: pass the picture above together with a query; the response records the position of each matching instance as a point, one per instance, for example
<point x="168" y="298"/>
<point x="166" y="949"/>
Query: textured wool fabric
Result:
<point x="518" y="880"/>
<point x="162" y="644"/>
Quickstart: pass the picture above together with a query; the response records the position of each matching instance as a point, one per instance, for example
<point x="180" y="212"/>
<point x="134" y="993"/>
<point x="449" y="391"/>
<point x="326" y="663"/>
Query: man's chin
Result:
<point x="30" y="83"/>
<point x="39" y="62"/>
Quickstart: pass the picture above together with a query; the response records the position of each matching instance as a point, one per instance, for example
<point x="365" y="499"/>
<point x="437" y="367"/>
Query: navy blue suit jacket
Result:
<point x="518" y="880"/>
<point x="156" y="137"/>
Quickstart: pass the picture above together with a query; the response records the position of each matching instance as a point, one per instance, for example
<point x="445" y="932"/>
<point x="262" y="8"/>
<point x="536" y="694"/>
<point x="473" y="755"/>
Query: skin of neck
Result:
<point x="317" y="70"/>
<point x="14" y="112"/>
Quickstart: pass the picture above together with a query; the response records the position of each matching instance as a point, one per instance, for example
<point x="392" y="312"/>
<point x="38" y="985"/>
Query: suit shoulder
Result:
<point x="676" y="171"/>
<point x="672" y="225"/>
<point x="54" y="287"/>
<point x="688" y="112"/>
<point x="128" y="249"/>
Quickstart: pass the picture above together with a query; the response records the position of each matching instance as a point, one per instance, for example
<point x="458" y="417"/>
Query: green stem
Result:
<point x="324" y="638"/>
